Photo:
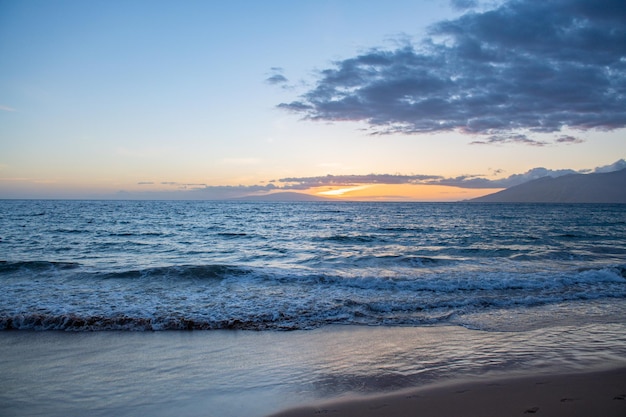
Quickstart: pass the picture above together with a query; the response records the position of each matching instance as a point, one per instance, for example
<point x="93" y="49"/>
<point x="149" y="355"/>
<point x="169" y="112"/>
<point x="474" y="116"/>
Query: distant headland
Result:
<point x="607" y="187"/>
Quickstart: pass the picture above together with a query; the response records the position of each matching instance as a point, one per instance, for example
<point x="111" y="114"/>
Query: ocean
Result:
<point x="450" y="288"/>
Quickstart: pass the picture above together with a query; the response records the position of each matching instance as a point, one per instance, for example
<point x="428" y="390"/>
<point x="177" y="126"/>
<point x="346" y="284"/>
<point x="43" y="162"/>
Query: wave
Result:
<point x="215" y="296"/>
<point x="414" y="273"/>
<point x="70" y="231"/>
<point x="72" y="322"/>
<point x="182" y="272"/>
<point x="35" y="266"/>
<point x="617" y="270"/>
<point x="175" y="272"/>
<point x="468" y="282"/>
<point x="133" y="234"/>
<point x="385" y="261"/>
<point x="401" y="229"/>
<point x="232" y="234"/>
<point x="350" y="239"/>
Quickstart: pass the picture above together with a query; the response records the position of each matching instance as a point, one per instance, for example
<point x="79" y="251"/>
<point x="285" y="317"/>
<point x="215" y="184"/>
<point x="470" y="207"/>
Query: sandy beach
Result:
<point x="601" y="393"/>
<point x="336" y="370"/>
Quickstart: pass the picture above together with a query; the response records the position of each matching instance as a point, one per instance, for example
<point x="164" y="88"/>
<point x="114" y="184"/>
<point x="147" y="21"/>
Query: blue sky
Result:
<point x="213" y="99"/>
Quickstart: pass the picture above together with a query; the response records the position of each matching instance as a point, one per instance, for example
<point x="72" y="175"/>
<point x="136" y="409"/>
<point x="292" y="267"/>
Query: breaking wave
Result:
<point x="203" y="297"/>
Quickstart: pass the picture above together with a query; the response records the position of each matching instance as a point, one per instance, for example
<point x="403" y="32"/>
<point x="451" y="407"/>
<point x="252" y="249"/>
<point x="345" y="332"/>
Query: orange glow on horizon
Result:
<point x="400" y="192"/>
<point x="339" y="192"/>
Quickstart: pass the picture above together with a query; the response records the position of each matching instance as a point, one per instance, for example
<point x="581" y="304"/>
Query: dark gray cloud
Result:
<point x="524" y="67"/>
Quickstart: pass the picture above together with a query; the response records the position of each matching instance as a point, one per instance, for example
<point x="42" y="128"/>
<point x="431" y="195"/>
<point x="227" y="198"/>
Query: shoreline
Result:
<point x="598" y="392"/>
<point x="255" y="374"/>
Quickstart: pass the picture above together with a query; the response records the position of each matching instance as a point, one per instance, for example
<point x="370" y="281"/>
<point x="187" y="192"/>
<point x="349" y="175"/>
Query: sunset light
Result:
<point x="404" y="192"/>
<point x="340" y="192"/>
<point x="143" y="100"/>
<point x="285" y="208"/>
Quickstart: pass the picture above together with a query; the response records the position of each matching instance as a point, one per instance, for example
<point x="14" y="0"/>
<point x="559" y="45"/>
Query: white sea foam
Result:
<point x="220" y="296"/>
<point x="198" y="265"/>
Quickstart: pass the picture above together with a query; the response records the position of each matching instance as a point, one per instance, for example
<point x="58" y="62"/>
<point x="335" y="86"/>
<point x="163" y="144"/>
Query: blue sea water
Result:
<point x="169" y="265"/>
<point x="381" y="297"/>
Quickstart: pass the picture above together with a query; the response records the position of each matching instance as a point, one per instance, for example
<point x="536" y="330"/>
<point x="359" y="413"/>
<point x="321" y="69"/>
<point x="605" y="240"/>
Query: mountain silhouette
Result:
<point x="607" y="187"/>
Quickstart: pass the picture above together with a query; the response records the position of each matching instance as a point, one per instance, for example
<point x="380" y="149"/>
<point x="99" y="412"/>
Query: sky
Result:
<point x="430" y="100"/>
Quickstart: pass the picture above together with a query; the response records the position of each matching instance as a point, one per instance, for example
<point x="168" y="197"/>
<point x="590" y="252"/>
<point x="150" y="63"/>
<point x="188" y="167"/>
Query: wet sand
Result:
<point x="255" y="374"/>
<point x="600" y="393"/>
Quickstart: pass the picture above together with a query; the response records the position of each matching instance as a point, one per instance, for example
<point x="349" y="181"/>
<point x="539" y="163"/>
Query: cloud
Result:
<point x="276" y="76"/>
<point x="276" y="79"/>
<point x="185" y="191"/>
<point x="184" y="186"/>
<point x="568" y="139"/>
<point x="463" y="181"/>
<point x="304" y="183"/>
<point x="524" y="67"/>
<point x="466" y="181"/>
<point x="344" y="183"/>
<point x="178" y="185"/>
<point x="510" y="181"/>
<point x="231" y="191"/>
<point x="463" y="4"/>
<point x="616" y="166"/>
<point x="6" y="108"/>
<point x="509" y="138"/>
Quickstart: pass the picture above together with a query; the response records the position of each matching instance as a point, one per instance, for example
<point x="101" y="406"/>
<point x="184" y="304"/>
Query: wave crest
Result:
<point x="35" y="266"/>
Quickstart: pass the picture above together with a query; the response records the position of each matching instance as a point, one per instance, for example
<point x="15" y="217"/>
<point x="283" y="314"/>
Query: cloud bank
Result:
<point x="524" y="67"/>
<point x="464" y="181"/>
<point x="193" y="191"/>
